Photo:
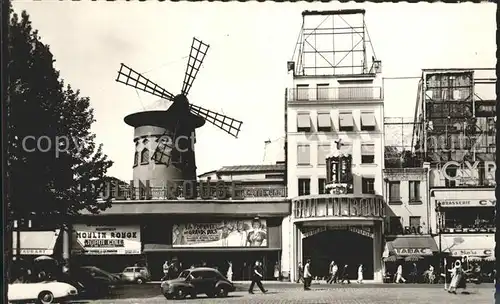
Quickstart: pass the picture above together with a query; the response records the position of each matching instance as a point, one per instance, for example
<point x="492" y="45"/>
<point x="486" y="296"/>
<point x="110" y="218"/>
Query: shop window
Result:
<point x="145" y="156"/>
<point x="395" y="225"/>
<point x="414" y="191"/>
<point x="303" y="155"/>
<point x="304" y="186"/>
<point x="368" y="185"/>
<point x="367" y="153"/>
<point x="394" y="192"/>
<point x="322" y="185"/>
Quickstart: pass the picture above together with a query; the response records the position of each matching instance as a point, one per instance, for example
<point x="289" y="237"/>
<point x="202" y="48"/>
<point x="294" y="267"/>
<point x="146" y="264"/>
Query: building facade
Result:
<point x="325" y="109"/>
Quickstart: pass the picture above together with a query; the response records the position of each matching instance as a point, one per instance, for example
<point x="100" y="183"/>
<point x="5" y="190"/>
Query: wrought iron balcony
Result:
<point x="327" y="94"/>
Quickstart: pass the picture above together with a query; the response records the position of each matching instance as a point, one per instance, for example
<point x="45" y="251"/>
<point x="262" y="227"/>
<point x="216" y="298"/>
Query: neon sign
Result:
<point x="468" y="169"/>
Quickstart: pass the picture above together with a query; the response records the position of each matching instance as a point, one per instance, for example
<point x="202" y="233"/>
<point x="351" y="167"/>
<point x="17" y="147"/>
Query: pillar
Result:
<point x="66" y="246"/>
<point x="377" y="252"/>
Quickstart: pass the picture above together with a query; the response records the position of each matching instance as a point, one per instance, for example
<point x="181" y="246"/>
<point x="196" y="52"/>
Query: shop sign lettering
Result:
<point x="364" y="231"/>
<point x="411" y="251"/>
<point x="106" y="240"/>
<point x="471" y="252"/>
<point x="458" y="203"/>
<point x="467" y="170"/>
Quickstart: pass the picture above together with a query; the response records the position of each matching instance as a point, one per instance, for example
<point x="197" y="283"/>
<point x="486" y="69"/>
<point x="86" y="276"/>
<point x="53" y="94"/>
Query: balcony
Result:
<point x="328" y="94"/>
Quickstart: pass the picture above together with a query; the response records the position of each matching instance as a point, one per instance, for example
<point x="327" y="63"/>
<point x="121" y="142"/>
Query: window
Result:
<point x="322" y="91"/>
<point x="302" y="92"/>
<point x="395" y="225"/>
<point x="368" y="185"/>
<point x="367" y="153"/>
<point x="368" y="121"/>
<point x="321" y="185"/>
<point x="394" y="194"/>
<point x="303" y="122"/>
<point x="303" y="155"/>
<point x="324" y="122"/>
<point x="323" y="151"/>
<point x="145" y="156"/>
<point x="136" y="158"/>
<point x="346" y="122"/>
<point x="414" y="187"/>
<point x="304" y="186"/>
<point x="415" y="222"/>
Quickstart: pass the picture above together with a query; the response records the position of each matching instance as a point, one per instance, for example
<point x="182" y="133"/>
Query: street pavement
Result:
<point x="319" y="294"/>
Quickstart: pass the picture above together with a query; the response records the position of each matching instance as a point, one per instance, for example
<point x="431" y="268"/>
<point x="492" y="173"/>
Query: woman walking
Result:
<point x="360" y="274"/>
<point x="457" y="278"/>
<point x="399" y="275"/>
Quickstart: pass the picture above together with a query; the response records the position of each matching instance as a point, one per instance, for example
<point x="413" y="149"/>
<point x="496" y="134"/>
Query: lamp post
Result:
<point x="442" y="261"/>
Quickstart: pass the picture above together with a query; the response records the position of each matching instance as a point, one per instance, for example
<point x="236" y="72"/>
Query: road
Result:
<point x="319" y="294"/>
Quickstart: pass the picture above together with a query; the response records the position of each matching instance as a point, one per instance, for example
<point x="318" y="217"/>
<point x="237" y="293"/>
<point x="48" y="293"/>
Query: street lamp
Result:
<point x="442" y="266"/>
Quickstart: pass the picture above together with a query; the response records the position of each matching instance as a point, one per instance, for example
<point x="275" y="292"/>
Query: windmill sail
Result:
<point x="164" y="149"/>
<point x="134" y="79"/>
<point x="196" y="56"/>
<point x="223" y="122"/>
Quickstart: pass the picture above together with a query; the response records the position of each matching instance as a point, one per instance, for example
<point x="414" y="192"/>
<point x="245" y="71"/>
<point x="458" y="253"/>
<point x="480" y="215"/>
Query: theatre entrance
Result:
<point x="343" y="247"/>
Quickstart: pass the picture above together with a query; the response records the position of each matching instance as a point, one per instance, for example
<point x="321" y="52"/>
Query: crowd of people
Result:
<point x="335" y="276"/>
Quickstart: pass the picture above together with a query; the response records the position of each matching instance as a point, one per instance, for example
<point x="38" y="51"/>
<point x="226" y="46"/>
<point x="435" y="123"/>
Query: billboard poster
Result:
<point x="230" y="233"/>
<point x="106" y="240"/>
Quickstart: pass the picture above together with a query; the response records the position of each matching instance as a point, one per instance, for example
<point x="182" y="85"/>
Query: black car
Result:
<point x="197" y="281"/>
<point x="91" y="281"/>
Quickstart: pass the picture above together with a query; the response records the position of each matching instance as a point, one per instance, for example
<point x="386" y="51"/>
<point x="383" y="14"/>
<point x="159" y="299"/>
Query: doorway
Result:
<point x="343" y="247"/>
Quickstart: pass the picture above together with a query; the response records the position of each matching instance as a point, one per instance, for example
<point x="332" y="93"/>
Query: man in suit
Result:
<point x="257" y="276"/>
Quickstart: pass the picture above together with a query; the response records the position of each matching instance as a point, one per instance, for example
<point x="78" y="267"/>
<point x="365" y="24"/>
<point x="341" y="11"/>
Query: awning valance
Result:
<point x="470" y="245"/>
<point x="346" y="120"/>
<point x="324" y="120"/>
<point x="412" y="245"/>
<point x="35" y="242"/>
<point x="303" y="120"/>
<point x="368" y="119"/>
<point x="367" y="149"/>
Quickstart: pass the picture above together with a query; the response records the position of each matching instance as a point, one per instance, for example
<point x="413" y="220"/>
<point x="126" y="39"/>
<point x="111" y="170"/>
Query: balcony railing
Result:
<point x="194" y="190"/>
<point x="334" y="93"/>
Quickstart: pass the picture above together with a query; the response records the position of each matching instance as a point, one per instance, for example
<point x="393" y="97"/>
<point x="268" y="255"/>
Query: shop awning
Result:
<point x="469" y="245"/>
<point x="324" y="120"/>
<point x="368" y="119"/>
<point x="35" y="242"/>
<point x="412" y="245"/>
<point x="346" y="120"/>
<point x="368" y="149"/>
<point x="303" y="121"/>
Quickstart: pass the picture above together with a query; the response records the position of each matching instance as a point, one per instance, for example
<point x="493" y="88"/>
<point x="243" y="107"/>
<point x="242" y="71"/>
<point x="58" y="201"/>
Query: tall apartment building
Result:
<point x="335" y="100"/>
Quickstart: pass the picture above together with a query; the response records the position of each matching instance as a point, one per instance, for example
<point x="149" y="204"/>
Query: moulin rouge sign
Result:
<point x="221" y="190"/>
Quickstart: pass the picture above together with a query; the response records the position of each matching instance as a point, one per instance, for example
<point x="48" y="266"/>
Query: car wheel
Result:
<point x="193" y="294"/>
<point x="139" y="281"/>
<point x="168" y="296"/>
<point x="222" y="292"/>
<point x="210" y="295"/>
<point x="46" y="297"/>
<point x="180" y="294"/>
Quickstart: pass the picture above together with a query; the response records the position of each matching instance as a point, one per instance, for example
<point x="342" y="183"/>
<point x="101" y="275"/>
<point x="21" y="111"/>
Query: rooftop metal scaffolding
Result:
<point x="334" y="43"/>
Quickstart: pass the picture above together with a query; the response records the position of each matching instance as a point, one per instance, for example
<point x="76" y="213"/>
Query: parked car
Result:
<point x="192" y="282"/>
<point x="92" y="281"/>
<point x="42" y="292"/>
<point x="137" y="275"/>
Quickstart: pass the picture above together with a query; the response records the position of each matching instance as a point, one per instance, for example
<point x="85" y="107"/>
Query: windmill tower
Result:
<point x="165" y="136"/>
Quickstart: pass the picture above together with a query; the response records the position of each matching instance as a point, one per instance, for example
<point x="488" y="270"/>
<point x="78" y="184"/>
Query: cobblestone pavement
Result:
<point x="340" y="295"/>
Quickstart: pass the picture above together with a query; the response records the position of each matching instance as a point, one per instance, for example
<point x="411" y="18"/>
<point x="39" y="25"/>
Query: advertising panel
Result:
<point x="106" y="240"/>
<point x="230" y="233"/>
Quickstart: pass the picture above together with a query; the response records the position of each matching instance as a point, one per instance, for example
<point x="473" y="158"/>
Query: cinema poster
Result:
<point x="106" y="240"/>
<point x="231" y="233"/>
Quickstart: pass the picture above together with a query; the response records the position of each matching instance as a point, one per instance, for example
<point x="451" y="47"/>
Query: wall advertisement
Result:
<point x="230" y="233"/>
<point x="106" y="240"/>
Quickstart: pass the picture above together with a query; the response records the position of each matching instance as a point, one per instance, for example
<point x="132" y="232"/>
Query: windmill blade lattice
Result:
<point x="163" y="152"/>
<point x="134" y="79"/>
<point x="226" y="123"/>
<point x="196" y="56"/>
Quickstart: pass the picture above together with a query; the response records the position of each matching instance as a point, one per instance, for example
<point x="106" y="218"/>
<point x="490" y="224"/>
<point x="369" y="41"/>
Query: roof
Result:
<point x="253" y="168"/>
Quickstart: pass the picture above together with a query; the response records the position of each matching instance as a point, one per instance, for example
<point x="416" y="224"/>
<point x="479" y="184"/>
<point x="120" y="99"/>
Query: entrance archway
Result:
<point x="341" y="246"/>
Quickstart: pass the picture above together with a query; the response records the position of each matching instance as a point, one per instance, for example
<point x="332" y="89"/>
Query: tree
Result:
<point x="54" y="167"/>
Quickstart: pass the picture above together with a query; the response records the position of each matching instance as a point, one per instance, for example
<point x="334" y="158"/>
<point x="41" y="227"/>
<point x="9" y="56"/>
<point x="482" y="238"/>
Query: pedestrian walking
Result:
<point x="345" y="275"/>
<point x="360" y="274"/>
<point x="229" y="274"/>
<point x="307" y="275"/>
<point x="257" y="276"/>
<point x="301" y="273"/>
<point x="457" y="278"/>
<point x="166" y="267"/>
<point x="399" y="274"/>
<point x="333" y="273"/>
<point x="414" y="273"/>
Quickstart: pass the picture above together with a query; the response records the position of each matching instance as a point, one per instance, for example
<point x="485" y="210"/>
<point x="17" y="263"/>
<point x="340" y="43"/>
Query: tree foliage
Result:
<point x="41" y="108"/>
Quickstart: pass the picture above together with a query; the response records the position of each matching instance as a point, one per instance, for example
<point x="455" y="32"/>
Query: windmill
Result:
<point x="180" y="119"/>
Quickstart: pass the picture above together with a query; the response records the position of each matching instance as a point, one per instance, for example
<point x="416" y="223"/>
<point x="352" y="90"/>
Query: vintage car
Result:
<point x="42" y="292"/>
<point x="196" y="281"/>
<point x="137" y="275"/>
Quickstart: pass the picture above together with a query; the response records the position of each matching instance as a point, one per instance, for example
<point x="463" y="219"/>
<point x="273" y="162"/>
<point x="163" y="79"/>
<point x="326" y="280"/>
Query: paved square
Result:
<point x="348" y="295"/>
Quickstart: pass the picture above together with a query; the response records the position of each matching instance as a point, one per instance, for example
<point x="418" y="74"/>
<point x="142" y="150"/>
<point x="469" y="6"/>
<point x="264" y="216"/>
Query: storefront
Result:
<point x="36" y="243"/>
<point x="344" y="228"/>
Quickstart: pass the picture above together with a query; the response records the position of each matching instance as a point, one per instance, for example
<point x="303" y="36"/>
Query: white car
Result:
<point x="41" y="292"/>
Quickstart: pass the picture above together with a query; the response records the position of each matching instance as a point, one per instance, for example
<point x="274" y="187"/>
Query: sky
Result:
<point x="244" y="73"/>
